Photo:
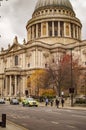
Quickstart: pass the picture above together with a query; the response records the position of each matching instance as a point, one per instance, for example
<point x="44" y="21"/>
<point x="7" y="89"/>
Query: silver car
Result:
<point x="2" y="101"/>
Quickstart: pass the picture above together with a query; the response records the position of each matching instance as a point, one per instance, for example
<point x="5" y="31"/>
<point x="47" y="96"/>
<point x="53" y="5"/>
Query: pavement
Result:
<point x="67" y="106"/>
<point x="13" y="126"/>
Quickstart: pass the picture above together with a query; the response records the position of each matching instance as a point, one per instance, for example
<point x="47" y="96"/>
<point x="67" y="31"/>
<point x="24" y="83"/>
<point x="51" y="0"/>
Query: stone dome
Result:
<point x="58" y="3"/>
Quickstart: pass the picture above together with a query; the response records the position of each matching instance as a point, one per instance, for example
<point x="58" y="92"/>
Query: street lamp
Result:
<point x="71" y="89"/>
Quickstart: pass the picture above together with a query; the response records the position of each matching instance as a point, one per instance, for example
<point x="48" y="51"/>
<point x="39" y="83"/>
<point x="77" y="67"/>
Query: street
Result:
<point x="45" y="118"/>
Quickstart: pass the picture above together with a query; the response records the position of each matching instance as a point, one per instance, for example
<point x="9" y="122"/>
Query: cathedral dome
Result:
<point x="58" y="3"/>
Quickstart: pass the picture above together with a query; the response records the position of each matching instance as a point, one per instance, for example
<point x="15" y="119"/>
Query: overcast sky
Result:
<point x="16" y="13"/>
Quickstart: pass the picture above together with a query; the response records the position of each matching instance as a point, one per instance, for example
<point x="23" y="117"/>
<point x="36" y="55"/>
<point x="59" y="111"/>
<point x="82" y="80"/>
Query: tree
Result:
<point x="38" y="79"/>
<point x="60" y="71"/>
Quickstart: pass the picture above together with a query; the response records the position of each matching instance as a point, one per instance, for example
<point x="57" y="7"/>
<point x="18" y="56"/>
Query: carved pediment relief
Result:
<point x="14" y="47"/>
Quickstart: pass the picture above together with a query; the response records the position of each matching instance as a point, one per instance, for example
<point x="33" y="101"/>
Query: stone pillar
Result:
<point x="53" y="28"/>
<point x="6" y="85"/>
<point x="46" y="28"/>
<point x="69" y="30"/>
<point x="23" y="84"/>
<point x="58" y="28"/>
<point x="32" y="32"/>
<point x="73" y="31"/>
<point x="36" y="30"/>
<point x="77" y="33"/>
<point x="15" y="84"/>
<point x="10" y="91"/>
<point x="64" y="29"/>
<point x="41" y="30"/>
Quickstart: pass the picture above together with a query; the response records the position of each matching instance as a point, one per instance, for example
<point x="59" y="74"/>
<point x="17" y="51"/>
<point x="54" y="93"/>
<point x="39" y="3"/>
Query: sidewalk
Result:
<point x="12" y="126"/>
<point x="66" y="106"/>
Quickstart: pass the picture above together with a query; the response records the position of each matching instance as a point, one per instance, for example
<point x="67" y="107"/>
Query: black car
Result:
<point x="2" y="101"/>
<point x="14" y="102"/>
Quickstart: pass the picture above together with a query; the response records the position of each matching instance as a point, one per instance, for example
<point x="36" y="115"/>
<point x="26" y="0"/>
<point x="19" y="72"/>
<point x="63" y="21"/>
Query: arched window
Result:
<point x="16" y="60"/>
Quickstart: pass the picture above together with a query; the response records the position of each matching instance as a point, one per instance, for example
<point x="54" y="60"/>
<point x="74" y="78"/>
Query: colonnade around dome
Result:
<point x="54" y="29"/>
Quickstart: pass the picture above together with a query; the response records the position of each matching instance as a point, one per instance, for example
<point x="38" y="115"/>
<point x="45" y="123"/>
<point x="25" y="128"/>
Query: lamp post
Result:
<point x="71" y="90"/>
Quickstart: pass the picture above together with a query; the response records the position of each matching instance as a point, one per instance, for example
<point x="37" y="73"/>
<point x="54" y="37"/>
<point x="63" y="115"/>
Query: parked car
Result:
<point x="30" y="102"/>
<point x="2" y="101"/>
<point x="14" y="101"/>
<point x="80" y="99"/>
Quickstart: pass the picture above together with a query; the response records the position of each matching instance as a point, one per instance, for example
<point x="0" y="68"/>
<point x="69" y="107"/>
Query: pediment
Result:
<point x="15" y="47"/>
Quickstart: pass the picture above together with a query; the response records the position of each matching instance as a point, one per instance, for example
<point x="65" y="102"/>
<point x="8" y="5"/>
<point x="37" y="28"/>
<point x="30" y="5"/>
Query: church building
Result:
<point x="53" y="30"/>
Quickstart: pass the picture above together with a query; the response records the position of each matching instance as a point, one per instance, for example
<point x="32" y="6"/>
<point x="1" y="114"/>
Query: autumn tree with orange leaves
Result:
<point x="38" y="79"/>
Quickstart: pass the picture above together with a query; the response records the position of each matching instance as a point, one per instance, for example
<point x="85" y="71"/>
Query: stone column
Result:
<point x="15" y="84"/>
<point x="23" y="85"/>
<point x="36" y="30"/>
<point x="41" y="29"/>
<point x="53" y="28"/>
<point x="46" y="28"/>
<point x="10" y="91"/>
<point x="6" y="85"/>
<point x="69" y="30"/>
<point x="59" y="28"/>
<point x="73" y="31"/>
<point x="64" y="29"/>
<point x="32" y="32"/>
<point x="77" y="33"/>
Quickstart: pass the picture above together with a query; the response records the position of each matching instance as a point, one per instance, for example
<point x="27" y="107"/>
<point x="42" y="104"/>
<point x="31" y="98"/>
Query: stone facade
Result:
<point x="52" y="30"/>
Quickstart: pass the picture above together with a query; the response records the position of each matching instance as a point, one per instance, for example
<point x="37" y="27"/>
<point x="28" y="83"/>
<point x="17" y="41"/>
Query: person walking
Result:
<point x="51" y="102"/>
<point x="57" y="103"/>
<point x="62" y="102"/>
<point x="46" y="101"/>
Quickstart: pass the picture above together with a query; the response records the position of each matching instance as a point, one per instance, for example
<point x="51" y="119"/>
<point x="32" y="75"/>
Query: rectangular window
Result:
<point x="71" y="30"/>
<point x="50" y="28"/>
<point x="28" y="64"/>
<point x="44" y="28"/>
<point x="61" y="29"/>
<point x="34" y="31"/>
<point x="56" y="28"/>
<point x="39" y="30"/>
<point x="16" y="60"/>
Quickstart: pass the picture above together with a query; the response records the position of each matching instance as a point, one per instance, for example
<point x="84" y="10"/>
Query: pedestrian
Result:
<point x="57" y="103"/>
<point x="62" y="102"/>
<point x="51" y="102"/>
<point x="46" y="101"/>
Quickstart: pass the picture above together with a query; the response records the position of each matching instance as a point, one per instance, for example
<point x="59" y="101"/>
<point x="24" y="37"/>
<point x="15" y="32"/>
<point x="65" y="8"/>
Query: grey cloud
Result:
<point x="18" y="12"/>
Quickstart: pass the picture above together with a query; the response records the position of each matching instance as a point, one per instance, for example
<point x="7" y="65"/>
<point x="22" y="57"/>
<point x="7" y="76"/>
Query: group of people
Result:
<point x="57" y="102"/>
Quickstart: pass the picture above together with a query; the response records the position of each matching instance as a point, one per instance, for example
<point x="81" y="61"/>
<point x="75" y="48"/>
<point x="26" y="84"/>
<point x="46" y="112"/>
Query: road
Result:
<point x="45" y="118"/>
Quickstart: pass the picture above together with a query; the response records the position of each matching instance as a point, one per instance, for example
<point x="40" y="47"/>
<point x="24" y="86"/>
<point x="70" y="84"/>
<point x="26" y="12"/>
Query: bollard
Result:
<point x="3" y="120"/>
<point x="0" y="123"/>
